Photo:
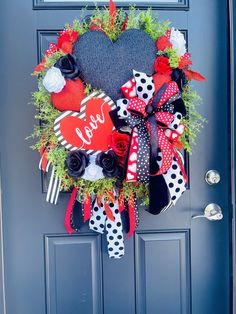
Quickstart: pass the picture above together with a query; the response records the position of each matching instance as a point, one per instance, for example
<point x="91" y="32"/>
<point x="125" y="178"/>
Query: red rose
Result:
<point x="64" y="43"/>
<point x="162" y="43"/>
<point x="162" y="66"/>
<point x="66" y="40"/>
<point x="119" y="144"/>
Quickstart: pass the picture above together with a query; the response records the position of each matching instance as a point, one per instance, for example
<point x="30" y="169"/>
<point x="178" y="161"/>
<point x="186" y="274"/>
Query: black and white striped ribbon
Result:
<point x="53" y="188"/>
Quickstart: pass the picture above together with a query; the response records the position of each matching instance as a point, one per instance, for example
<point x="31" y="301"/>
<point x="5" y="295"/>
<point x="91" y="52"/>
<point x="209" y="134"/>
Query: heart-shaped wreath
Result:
<point x="116" y="113"/>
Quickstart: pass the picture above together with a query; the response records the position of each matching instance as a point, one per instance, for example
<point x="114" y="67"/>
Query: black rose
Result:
<point x="76" y="162"/>
<point x="109" y="163"/>
<point x="68" y="67"/>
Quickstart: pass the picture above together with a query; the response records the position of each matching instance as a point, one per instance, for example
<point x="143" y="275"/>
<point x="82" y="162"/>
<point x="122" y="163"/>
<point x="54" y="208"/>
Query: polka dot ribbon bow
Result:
<point x="151" y="115"/>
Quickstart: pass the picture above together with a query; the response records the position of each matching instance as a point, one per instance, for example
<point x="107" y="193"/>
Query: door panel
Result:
<point x="69" y="262"/>
<point x="168" y="254"/>
<point x="119" y="281"/>
<point x="173" y="264"/>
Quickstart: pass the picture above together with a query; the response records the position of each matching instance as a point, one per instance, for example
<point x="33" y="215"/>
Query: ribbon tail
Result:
<point x="160" y="201"/>
<point x="153" y="145"/>
<point x="131" y="173"/>
<point x="115" y="241"/>
<point x="69" y="211"/>
<point x="98" y="218"/>
<point x="41" y="150"/>
<point x="167" y="152"/>
<point x="99" y="201"/>
<point x="174" y="179"/>
<point x="111" y="197"/>
<point x="43" y="160"/>
<point x="58" y="191"/>
<point x="181" y="165"/>
<point x="87" y="208"/>
<point x="153" y="136"/>
<point x="108" y="212"/>
<point x="121" y="201"/>
<point x="110" y="219"/>
<point x="143" y="158"/>
<point x="132" y="221"/>
<point x="125" y="23"/>
<point x="53" y="188"/>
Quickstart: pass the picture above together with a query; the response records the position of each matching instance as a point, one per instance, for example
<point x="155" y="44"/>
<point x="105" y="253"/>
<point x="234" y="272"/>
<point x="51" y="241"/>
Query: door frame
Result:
<point x="232" y="78"/>
<point x="2" y="279"/>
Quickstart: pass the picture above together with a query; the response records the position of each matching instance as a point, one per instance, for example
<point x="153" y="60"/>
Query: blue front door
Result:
<point x="173" y="264"/>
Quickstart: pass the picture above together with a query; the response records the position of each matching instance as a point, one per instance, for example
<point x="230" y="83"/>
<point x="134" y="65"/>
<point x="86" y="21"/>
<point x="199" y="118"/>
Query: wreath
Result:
<point x="116" y="113"/>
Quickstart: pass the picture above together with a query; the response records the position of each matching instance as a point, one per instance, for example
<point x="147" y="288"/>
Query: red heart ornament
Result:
<point x="70" y="97"/>
<point x="90" y="129"/>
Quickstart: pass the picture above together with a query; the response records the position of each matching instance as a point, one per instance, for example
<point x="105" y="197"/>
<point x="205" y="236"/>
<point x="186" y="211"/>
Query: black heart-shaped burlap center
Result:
<point x="107" y="65"/>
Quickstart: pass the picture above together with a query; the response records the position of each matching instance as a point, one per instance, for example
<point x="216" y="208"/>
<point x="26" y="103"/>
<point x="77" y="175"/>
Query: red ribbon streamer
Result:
<point x="69" y="211"/>
<point x="111" y="196"/>
<point x="121" y="201"/>
<point x="44" y="160"/>
<point x="131" y="210"/>
<point x="41" y="150"/>
<point x="99" y="200"/>
<point x="112" y="12"/>
<point x="87" y="208"/>
<point x="108" y="212"/>
<point x="125" y="24"/>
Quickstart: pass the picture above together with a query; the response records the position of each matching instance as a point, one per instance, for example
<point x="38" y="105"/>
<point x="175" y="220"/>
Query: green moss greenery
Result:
<point x="43" y="134"/>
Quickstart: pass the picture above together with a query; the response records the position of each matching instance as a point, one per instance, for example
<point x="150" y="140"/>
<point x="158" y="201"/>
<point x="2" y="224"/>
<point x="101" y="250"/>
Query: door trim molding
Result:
<point x="181" y="5"/>
<point x="2" y="272"/>
<point x="232" y="29"/>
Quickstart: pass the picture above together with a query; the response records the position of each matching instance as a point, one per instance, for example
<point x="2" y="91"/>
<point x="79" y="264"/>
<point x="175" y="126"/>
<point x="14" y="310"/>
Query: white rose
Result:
<point x="93" y="172"/>
<point x="178" y="42"/>
<point x="54" y="81"/>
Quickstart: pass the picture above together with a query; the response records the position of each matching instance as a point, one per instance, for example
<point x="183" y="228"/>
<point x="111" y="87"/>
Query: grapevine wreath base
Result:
<point x="116" y="113"/>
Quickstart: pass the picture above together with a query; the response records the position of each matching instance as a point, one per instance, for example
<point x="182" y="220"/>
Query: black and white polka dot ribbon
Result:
<point x="174" y="179"/>
<point x="99" y="222"/>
